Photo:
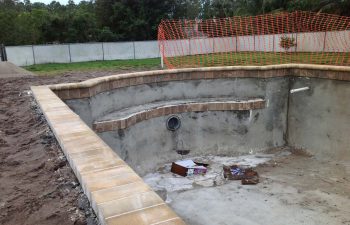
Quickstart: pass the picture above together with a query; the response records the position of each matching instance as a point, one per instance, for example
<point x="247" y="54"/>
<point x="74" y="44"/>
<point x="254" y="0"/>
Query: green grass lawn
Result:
<point x="60" y="68"/>
<point x="217" y="59"/>
<point x="259" y="58"/>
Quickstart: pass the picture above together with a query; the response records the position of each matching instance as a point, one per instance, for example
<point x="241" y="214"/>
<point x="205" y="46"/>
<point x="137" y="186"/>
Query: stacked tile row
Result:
<point x="94" y="86"/>
<point x="125" y="122"/>
<point x="117" y="194"/>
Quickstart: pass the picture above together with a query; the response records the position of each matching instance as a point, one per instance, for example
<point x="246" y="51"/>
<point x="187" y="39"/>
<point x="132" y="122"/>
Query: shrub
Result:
<point x="287" y="43"/>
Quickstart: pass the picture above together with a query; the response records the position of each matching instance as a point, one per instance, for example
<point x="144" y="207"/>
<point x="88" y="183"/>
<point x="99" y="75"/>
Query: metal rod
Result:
<point x="299" y="89"/>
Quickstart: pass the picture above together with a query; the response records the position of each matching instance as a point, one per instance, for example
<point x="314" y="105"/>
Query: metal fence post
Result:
<point x="3" y="52"/>
<point x="133" y="44"/>
<point x="213" y="45"/>
<point x="236" y="43"/>
<point x="296" y="42"/>
<point x="33" y="54"/>
<point x="324" y="41"/>
<point x="103" y="53"/>
<point x="70" y="56"/>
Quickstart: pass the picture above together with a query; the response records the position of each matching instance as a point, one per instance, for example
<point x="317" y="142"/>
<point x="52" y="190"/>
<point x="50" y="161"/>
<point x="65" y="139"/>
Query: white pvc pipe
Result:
<point x="161" y="61"/>
<point x="299" y="89"/>
<point x="161" y="57"/>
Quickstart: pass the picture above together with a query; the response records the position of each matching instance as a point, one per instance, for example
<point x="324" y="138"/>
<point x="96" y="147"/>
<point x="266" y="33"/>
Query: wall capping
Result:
<point x="94" y="86"/>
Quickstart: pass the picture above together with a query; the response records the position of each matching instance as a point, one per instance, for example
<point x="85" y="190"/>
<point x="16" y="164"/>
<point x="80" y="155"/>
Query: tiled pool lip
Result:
<point x="116" y="192"/>
<point x="94" y="86"/>
<point x="131" y="118"/>
<point x="105" y="177"/>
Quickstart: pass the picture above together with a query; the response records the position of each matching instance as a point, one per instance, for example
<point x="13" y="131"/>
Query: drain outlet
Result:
<point x="173" y="123"/>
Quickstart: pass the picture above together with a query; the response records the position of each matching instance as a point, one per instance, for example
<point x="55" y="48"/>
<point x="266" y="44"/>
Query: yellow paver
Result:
<point x="117" y="194"/>
<point x="130" y="203"/>
<point x="151" y="215"/>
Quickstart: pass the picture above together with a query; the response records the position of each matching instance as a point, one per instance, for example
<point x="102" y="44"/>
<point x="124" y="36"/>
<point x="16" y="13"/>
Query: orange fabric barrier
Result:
<point x="297" y="37"/>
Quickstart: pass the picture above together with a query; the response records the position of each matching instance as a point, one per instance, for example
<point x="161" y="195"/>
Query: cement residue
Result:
<point x="293" y="189"/>
<point x="164" y="182"/>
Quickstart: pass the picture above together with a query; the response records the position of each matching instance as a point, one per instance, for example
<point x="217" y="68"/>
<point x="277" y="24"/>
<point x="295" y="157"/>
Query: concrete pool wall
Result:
<point x="224" y="110"/>
<point x="319" y="119"/>
<point x="208" y="131"/>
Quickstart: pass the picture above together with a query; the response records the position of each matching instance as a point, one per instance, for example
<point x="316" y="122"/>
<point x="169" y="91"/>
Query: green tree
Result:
<point x="115" y="20"/>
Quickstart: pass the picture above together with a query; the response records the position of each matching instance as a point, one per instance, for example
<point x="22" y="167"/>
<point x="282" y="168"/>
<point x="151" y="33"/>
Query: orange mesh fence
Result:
<point x="298" y="37"/>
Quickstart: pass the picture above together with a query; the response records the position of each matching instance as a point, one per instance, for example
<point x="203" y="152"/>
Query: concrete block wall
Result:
<point x="86" y="52"/>
<point x="201" y="46"/>
<point x="120" y="50"/>
<point x="146" y="49"/>
<point x="20" y="55"/>
<point x="335" y="41"/>
<point x="81" y="52"/>
<point x="50" y="54"/>
<point x="310" y="42"/>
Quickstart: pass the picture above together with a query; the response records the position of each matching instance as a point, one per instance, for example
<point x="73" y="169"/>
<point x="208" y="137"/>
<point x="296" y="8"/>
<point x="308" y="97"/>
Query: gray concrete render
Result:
<point x="307" y="121"/>
<point x="306" y="116"/>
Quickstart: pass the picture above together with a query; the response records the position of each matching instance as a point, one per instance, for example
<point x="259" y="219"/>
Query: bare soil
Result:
<point x="37" y="186"/>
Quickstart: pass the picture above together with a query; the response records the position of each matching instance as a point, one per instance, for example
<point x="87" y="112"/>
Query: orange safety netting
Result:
<point x="298" y="37"/>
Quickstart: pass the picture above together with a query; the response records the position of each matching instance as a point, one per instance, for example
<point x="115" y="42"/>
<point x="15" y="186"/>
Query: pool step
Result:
<point x="125" y="118"/>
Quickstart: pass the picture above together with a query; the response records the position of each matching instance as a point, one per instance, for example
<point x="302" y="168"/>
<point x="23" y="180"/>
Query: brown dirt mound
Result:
<point x="37" y="186"/>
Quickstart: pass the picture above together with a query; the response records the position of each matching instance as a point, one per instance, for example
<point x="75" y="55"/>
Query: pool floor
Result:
<point x="293" y="189"/>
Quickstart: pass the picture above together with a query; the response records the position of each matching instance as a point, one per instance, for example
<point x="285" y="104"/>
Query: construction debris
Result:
<point x="188" y="167"/>
<point x="246" y="175"/>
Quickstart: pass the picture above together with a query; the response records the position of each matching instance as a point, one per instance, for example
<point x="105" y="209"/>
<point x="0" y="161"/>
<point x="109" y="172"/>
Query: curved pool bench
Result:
<point x="122" y="119"/>
<point x="113" y="129"/>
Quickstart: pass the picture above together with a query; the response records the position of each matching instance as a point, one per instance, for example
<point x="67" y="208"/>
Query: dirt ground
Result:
<point x="37" y="186"/>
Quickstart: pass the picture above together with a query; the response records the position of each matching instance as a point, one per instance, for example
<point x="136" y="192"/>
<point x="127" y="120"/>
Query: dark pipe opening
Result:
<point x="173" y="123"/>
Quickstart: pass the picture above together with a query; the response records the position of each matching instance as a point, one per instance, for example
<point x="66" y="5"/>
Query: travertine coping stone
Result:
<point x="116" y="193"/>
<point x="94" y="86"/>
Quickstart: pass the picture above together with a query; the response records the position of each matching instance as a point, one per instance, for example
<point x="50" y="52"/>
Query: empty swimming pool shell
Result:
<point x="173" y="123"/>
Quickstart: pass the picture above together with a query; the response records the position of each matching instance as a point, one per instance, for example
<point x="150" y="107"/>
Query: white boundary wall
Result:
<point x="335" y="41"/>
<point x="84" y="52"/>
<point x="48" y="54"/>
<point x="20" y="55"/>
